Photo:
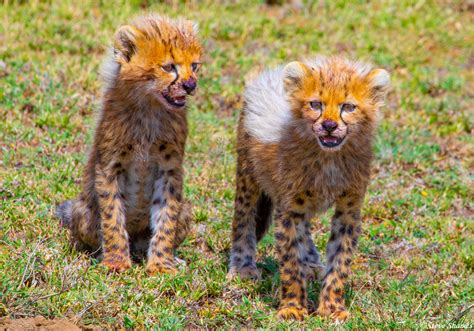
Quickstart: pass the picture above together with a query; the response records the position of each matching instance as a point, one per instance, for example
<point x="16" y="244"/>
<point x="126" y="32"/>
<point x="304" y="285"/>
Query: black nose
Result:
<point x="189" y="85"/>
<point x="329" y="125"/>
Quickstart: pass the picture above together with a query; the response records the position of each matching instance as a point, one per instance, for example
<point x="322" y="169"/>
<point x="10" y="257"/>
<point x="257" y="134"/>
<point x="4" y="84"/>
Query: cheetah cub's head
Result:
<point x="159" y="59"/>
<point x="334" y="99"/>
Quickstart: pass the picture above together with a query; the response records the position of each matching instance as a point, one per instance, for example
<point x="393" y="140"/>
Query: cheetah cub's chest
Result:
<point x="136" y="183"/>
<point x="321" y="187"/>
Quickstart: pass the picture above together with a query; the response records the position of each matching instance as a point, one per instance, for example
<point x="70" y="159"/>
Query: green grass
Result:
<point x="415" y="264"/>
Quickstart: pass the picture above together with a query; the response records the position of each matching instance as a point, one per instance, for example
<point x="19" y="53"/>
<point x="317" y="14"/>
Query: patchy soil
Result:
<point x="37" y="323"/>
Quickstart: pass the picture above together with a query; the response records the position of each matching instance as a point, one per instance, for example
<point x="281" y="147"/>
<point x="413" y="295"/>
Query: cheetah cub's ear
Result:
<point x="294" y="75"/>
<point x="125" y="43"/>
<point x="379" y="83"/>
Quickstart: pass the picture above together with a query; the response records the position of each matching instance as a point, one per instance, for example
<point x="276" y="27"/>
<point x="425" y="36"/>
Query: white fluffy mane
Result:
<point x="109" y="69"/>
<point x="267" y="110"/>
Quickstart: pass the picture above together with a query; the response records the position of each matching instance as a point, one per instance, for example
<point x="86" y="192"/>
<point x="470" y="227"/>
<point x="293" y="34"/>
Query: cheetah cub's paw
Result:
<point x="117" y="265"/>
<point x="250" y="273"/>
<point x="154" y="270"/>
<point x="338" y="315"/>
<point x="289" y="312"/>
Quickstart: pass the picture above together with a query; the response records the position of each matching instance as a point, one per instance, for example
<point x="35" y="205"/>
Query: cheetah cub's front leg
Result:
<point x="169" y="222"/>
<point x="345" y="229"/>
<point x="115" y="245"/>
<point x="293" y="303"/>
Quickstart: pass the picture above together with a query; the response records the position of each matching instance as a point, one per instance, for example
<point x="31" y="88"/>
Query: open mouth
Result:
<point x="178" y="101"/>
<point x="330" y="141"/>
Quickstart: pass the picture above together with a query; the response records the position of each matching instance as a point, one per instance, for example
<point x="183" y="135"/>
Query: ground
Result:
<point x="415" y="263"/>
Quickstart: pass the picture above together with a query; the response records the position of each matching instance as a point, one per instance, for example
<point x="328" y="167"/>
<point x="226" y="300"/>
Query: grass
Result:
<point x="415" y="263"/>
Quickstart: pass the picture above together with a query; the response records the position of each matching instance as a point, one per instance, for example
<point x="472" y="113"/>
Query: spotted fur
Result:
<point x="132" y="194"/>
<point x="286" y="153"/>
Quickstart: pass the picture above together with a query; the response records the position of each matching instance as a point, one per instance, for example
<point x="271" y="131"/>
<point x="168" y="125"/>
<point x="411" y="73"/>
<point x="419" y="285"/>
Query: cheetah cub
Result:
<point x="132" y="185"/>
<point x="304" y="145"/>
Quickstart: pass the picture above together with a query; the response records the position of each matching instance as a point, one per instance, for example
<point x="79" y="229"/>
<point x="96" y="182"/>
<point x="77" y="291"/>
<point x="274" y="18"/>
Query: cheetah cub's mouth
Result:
<point x="175" y="101"/>
<point x="330" y="141"/>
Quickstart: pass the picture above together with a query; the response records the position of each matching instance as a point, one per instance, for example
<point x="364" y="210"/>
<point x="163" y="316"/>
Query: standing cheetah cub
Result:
<point x="133" y="180"/>
<point x="305" y="144"/>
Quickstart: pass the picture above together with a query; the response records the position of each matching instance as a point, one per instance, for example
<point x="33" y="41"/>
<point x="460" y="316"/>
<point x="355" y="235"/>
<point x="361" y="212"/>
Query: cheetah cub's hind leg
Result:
<point x="244" y="227"/>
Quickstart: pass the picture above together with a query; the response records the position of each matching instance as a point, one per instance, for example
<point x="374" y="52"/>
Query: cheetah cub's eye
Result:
<point x="195" y="66"/>
<point x="348" y="107"/>
<point x="168" y="67"/>
<point x="316" y="105"/>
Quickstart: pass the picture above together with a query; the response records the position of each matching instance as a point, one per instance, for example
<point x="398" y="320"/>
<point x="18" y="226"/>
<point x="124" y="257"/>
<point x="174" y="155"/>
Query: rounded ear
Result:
<point x="293" y="75"/>
<point x="379" y="81"/>
<point x="124" y="45"/>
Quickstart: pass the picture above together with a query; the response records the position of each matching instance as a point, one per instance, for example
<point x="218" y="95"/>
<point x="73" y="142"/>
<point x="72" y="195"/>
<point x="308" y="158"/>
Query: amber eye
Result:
<point x="195" y="66"/>
<point x="348" y="107"/>
<point x="168" y="67"/>
<point x="316" y="105"/>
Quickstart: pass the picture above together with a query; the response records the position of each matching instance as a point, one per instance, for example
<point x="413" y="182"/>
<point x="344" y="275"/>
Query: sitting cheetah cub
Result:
<point x="304" y="145"/>
<point x="132" y="194"/>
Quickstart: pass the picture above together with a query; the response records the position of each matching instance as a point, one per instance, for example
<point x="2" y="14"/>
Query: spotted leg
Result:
<point x="313" y="267"/>
<point x="165" y="214"/>
<point x="293" y="301"/>
<point x="115" y="244"/>
<point x="244" y="240"/>
<point x="345" y="229"/>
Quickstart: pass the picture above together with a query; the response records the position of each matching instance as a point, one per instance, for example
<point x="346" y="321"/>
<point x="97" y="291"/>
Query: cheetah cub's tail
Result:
<point x="64" y="213"/>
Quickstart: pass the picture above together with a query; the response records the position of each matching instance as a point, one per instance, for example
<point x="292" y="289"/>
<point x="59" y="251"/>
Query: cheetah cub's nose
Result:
<point x="329" y="125"/>
<point x="189" y="85"/>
